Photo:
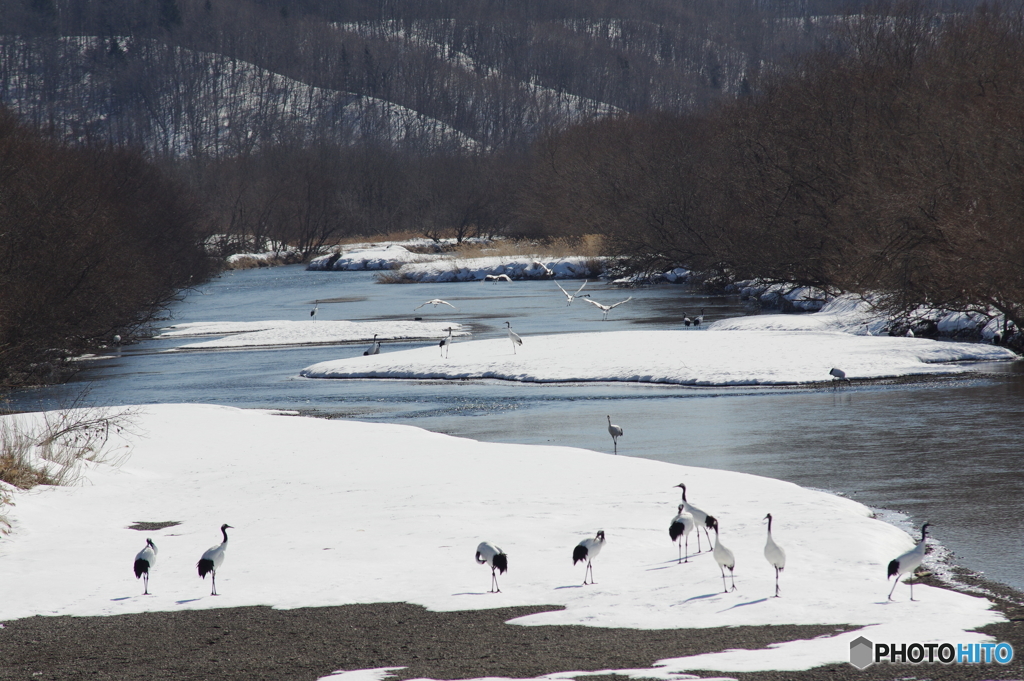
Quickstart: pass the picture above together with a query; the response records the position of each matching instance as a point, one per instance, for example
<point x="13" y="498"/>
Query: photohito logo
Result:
<point x="863" y="652"/>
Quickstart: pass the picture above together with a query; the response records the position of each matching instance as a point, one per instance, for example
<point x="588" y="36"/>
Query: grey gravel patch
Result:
<point x="144" y="526"/>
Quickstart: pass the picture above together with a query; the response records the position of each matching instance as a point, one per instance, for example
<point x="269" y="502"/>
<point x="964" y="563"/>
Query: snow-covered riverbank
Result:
<point x="334" y="512"/>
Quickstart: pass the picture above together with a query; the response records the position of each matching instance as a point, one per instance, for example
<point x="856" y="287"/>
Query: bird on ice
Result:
<point x="607" y="308"/>
<point x="514" y="337"/>
<point x="446" y="342"/>
<point x="144" y="560"/>
<point x="212" y="559"/>
<point x="700" y="518"/>
<point x="572" y="296"/>
<point x="682" y="526"/>
<point x="374" y="347"/>
<point x="435" y="302"/>
<point x="312" y="313"/>
<point x="616" y="432"/>
<point x="587" y="550"/>
<point x="724" y="557"/>
<point x="699" y="319"/>
<point x="908" y="562"/>
<point x="774" y="553"/>
<point x="497" y="277"/>
<point x="489" y="554"/>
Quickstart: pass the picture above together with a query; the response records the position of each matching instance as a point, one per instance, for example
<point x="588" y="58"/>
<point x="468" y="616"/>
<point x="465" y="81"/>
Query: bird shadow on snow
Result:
<point x="188" y="600"/>
<point x="122" y="598"/>
<point x="473" y="593"/>
<point x="569" y="586"/>
<point x="697" y="598"/>
<point x="740" y="605"/>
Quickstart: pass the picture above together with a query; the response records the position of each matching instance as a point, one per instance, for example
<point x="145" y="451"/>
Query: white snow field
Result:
<point x="684" y="357"/>
<point x="290" y="332"/>
<point x="336" y="512"/>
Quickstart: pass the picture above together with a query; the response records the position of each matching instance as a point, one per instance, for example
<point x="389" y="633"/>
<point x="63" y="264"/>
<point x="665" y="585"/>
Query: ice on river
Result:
<point x="285" y="332"/>
<point x="329" y="512"/>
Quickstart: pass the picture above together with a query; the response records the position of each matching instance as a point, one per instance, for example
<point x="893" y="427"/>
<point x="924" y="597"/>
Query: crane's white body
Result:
<point x="774" y="554"/>
<point x="725" y="559"/>
<point x="681" y="527"/>
<point x="144" y="560"/>
<point x="312" y="313"/>
<point x="616" y="432"/>
<point x="908" y="562"/>
<point x="699" y="319"/>
<point x="587" y="550"/>
<point x="213" y="558"/>
<point x="374" y="347"/>
<point x="838" y="375"/>
<point x="700" y="518"/>
<point x="497" y="277"/>
<point x="491" y="555"/>
<point x="608" y="308"/>
<point x="571" y="296"/>
<point x="435" y="302"/>
<point x="514" y="337"/>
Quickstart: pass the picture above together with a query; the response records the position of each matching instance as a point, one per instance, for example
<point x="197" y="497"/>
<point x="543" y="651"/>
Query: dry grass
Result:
<point x="50" y="449"/>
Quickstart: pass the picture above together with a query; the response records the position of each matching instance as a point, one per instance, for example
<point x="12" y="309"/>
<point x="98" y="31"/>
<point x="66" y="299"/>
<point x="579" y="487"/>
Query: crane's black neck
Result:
<point x="224" y="531"/>
<point x="770" y="524"/>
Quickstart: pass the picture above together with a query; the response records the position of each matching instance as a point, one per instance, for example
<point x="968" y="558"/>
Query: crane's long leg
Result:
<point x="213" y="577"/>
<point x="145" y="582"/>
<point x="894" y="586"/>
<point x="721" y="569"/>
<point x="911" y="586"/>
<point x="680" y="546"/>
<point x="687" y="539"/>
<point x="732" y="578"/>
<point x="776" y="582"/>
<point x="590" y="570"/>
<point x="494" y="583"/>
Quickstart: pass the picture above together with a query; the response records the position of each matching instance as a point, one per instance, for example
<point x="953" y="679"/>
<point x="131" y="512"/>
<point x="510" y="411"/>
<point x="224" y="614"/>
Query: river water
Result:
<point x="948" y="451"/>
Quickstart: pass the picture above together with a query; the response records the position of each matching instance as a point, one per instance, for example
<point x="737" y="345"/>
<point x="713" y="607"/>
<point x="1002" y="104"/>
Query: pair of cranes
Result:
<point x="212" y="559"/>
<point x="492" y="556"/>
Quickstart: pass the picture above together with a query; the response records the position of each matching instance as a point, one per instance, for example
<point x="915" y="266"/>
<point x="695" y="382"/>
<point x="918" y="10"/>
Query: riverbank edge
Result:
<point x="259" y="642"/>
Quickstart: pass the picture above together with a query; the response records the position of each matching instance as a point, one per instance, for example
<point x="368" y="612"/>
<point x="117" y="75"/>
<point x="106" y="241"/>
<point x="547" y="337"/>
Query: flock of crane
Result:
<point x="688" y="519"/>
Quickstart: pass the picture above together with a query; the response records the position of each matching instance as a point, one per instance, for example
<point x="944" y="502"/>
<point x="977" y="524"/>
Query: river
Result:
<point x="943" y="450"/>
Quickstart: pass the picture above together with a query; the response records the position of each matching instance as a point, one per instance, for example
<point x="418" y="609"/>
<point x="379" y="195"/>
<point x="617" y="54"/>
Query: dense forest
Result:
<point x="853" y="147"/>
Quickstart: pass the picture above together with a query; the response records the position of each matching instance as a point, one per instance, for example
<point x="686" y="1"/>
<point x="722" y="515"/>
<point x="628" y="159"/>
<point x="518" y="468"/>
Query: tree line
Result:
<point x="93" y="244"/>
<point x="891" y="162"/>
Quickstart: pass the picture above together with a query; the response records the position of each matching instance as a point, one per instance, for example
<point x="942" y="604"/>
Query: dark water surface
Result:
<point x="944" y="450"/>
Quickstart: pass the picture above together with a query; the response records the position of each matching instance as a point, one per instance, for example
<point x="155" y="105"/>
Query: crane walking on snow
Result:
<point x="775" y="554"/>
<point x="908" y="562"/>
<point x="514" y="337"/>
<point x="312" y="313"/>
<point x="724" y="557"/>
<point x="682" y="526"/>
<point x="489" y="554"/>
<point x="144" y="560"/>
<point x="446" y="342"/>
<point x="213" y="558"/>
<point x="374" y="347"/>
<point x="587" y="550"/>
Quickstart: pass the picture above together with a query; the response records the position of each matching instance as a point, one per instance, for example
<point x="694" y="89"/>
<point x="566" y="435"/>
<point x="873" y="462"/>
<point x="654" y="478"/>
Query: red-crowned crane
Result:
<point x="682" y="526"/>
<point x="608" y="308"/>
<point x="435" y="302"/>
<point x="489" y="554"/>
<point x="497" y="277"/>
<point x="616" y="432"/>
<point x="374" y="347"/>
<point x="213" y="557"/>
<point x="699" y="319"/>
<point x="572" y="296"/>
<point x="908" y="562"/>
<point x="724" y="557"/>
<point x="446" y="342"/>
<point x="700" y="518"/>
<point x="838" y="376"/>
<point x="144" y="560"/>
<point x="774" y="553"/>
<point x="587" y="550"/>
<point x="312" y="313"/>
<point x="514" y="337"/>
